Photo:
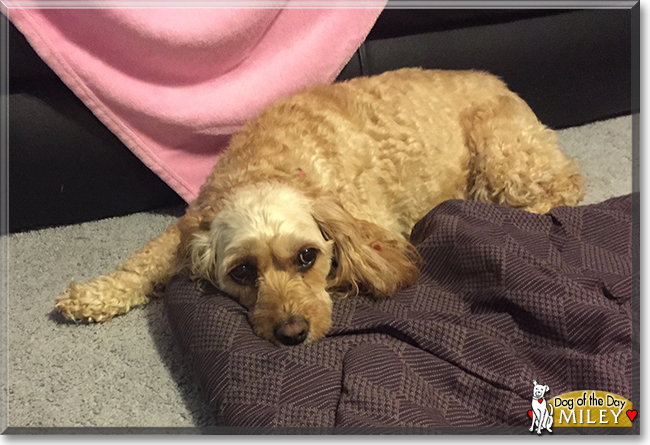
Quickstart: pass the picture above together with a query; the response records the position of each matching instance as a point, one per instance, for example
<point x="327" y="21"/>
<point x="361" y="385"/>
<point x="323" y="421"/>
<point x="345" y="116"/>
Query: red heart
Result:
<point x="530" y="413"/>
<point x="540" y="400"/>
<point x="631" y="414"/>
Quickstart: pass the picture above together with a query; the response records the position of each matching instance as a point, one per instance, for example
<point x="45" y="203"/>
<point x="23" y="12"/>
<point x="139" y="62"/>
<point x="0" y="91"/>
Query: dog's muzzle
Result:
<point x="292" y="331"/>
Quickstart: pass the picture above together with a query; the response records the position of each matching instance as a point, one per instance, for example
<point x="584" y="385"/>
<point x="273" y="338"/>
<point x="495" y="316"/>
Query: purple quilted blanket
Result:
<point x="505" y="297"/>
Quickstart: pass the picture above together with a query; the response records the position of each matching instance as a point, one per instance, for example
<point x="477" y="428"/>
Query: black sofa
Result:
<point x="571" y="66"/>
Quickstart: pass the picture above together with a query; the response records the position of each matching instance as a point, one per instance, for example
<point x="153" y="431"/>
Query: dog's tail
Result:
<point x="128" y="286"/>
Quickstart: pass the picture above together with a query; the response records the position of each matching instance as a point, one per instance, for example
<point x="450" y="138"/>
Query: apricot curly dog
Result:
<point x="317" y="196"/>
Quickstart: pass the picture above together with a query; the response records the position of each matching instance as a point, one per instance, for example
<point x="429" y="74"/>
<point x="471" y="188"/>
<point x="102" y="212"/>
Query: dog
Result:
<point x="542" y="417"/>
<point x="316" y="197"/>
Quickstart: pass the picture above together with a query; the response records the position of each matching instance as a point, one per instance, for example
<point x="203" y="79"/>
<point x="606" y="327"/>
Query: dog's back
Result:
<point x="394" y="146"/>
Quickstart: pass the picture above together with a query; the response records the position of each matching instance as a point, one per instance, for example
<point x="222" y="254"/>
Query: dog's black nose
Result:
<point x="292" y="330"/>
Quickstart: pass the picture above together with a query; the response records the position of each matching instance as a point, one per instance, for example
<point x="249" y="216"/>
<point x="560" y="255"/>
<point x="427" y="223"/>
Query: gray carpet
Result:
<point x="129" y="372"/>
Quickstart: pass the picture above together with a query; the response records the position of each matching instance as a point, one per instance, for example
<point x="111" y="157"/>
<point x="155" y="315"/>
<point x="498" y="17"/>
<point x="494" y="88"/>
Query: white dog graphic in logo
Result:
<point x="542" y="417"/>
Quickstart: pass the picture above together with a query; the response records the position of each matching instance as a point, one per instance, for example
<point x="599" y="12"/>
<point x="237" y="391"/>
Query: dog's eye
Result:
<point x="307" y="257"/>
<point x="244" y="274"/>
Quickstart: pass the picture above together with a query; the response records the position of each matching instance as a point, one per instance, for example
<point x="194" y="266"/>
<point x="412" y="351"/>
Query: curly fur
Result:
<point x="347" y="170"/>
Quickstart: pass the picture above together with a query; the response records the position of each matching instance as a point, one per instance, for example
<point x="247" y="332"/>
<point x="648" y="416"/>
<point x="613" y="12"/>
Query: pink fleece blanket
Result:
<point x="174" y="84"/>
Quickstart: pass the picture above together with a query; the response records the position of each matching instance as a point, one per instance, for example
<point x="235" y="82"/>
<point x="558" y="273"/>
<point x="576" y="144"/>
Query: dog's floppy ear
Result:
<point x="367" y="257"/>
<point x="195" y="252"/>
<point x="546" y="389"/>
<point x="534" y="382"/>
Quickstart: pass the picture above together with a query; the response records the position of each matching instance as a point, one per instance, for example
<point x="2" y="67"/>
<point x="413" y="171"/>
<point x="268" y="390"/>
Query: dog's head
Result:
<point x="539" y="391"/>
<point x="282" y="254"/>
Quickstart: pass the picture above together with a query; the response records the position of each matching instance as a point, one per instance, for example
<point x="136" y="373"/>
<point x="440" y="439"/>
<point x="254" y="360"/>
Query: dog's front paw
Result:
<point x="81" y="302"/>
<point x="99" y="300"/>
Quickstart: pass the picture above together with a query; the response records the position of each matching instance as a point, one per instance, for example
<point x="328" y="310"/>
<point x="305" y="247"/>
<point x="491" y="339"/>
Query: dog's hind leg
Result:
<point x="129" y="285"/>
<point x="515" y="159"/>
<point x="549" y="419"/>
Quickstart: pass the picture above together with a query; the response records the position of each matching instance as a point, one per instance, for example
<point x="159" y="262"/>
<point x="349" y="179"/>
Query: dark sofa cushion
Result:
<point x="572" y="67"/>
<point x="505" y="297"/>
<point x="66" y="167"/>
<point x="398" y="22"/>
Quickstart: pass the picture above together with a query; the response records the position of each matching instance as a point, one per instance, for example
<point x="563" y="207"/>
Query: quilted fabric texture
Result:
<point x="505" y="297"/>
